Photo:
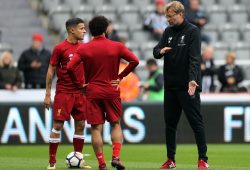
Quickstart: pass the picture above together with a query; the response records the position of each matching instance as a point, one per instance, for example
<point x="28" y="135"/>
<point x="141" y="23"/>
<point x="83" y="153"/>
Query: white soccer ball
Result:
<point x="74" y="160"/>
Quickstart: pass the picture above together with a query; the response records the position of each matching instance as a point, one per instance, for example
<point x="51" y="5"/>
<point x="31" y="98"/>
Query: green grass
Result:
<point x="143" y="157"/>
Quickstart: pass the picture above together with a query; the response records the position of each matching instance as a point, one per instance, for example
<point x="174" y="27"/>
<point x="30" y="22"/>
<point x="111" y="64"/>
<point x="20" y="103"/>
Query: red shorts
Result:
<point x="99" y="110"/>
<point x="66" y="104"/>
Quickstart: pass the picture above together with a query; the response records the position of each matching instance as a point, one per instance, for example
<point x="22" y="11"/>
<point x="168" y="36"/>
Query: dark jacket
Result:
<point x="158" y="81"/>
<point x="227" y="71"/>
<point x="182" y="63"/>
<point x="34" y="76"/>
<point x="9" y="75"/>
<point x="209" y="71"/>
<point x="194" y="16"/>
<point x="114" y="36"/>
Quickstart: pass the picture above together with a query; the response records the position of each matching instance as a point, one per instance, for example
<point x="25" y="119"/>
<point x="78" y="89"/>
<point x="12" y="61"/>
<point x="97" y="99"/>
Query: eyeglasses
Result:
<point x="170" y="16"/>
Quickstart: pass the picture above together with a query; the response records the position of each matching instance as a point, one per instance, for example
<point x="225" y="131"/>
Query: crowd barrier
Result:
<point x="23" y="120"/>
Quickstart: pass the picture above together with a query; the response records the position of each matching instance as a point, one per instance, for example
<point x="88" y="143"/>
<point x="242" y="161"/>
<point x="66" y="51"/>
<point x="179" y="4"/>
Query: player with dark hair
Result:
<point x="180" y="46"/>
<point x="101" y="58"/>
<point x="68" y="99"/>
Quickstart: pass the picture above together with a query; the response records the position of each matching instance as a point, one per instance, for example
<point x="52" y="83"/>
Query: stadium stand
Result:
<point x="228" y="26"/>
<point x="217" y="14"/>
<point x="238" y="11"/>
<point x="212" y="31"/>
<point x="17" y="23"/>
<point x="5" y="47"/>
<point x="229" y="33"/>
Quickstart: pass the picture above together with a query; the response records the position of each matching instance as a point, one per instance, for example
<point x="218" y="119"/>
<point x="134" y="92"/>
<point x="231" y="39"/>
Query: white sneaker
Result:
<point x="51" y="166"/>
<point x="84" y="165"/>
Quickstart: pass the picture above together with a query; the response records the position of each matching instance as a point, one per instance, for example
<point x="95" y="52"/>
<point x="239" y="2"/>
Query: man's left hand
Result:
<point x="192" y="85"/>
<point x="83" y="89"/>
<point x="115" y="82"/>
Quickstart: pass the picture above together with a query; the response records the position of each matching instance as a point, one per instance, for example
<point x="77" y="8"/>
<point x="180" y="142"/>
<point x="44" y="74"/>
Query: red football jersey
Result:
<point x="101" y="59"/>
<point x="62" y="54"/>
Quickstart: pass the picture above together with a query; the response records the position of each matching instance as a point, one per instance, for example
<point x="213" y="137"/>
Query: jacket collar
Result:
<point x="181" y="26"/>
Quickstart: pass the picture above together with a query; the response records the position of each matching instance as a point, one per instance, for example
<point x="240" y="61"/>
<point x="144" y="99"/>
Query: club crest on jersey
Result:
<point x="70" y="56"/>
<point x="169" y="39"/>
<point x="182" y="41"/>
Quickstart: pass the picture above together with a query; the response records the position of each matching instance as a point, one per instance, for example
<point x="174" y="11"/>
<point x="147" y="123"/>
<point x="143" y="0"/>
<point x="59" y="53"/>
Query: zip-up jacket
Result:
<point x="182" y="63"/>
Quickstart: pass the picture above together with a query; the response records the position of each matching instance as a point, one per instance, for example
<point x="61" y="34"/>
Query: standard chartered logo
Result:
<point x="129" y="118"/>
<point x="236" y="117"/>
<point x="36" y="125"/>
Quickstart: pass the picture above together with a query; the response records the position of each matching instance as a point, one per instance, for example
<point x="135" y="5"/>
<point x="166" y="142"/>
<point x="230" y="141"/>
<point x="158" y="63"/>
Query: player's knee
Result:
<point x="55" y="133"/>
<point x="79" y="130"/>
<point x="58" y="127"/>
<point x="114" y="124"/>
<point x="80" y="126"/>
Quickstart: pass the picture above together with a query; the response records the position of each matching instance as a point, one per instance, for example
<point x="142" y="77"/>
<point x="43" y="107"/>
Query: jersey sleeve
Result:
<point x="55" y="57"/>
<point x="131" y="58"/>
<point x="72" y="67"/>
<point x="194" y="55"/>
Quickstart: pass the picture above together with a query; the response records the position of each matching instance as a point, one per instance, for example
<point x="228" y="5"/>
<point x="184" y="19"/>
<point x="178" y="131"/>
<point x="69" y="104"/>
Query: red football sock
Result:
<point x="116" y="150"/>
<point x="53" y="145"/>
<point x="100" y="158"/>
<point x="78" y="141"/>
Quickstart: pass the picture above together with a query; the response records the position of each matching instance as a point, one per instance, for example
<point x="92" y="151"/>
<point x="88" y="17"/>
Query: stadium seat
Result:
<point x="147" y="49"/>
<point x="73" y="3"/>
<point x="123" y="34"/>
<point x="119" y="3"/>
<point x="146" y="10"/>
<point x="212" y="32"/>
<point x="58" y="17"/>
<point x="5" y="47"/>
<point x="245" y="30"/>
<point x="48" y="5"/>
<point x="85" y="16"/>
<point x="230" y="33"/>
<point x="242" y="50"/>
<point x="208" y="2"/>
<point x="217" y="14"/>
<point x="245" y="2"/>
<point x="120" y="26"/>
<point x="238" y="15"/>
<point x="141" y="3"/>
<point x="63" y="33"/>
<point x="246" y="69"/>
<point x="84" y="12"/>
<point x="83" y="8"/>
<point x="227" y="2"/>
<point x="122" y="30"/>
<point x="134" y="47"/>
<point x="94" y="3"/>
<point x="220" y="50"/>
<point x="137" y="53"/>
<point x="142" y="73"/>
<point x="148" y="54"/>
<point x="107" y="11"/>
<point x="139" y="35"/>
<point x="130" y="15"/>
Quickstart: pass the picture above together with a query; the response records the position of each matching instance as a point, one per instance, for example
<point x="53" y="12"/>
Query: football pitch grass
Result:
<point x="134" y="157"/>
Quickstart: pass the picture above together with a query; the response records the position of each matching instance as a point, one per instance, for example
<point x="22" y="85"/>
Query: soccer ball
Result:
<point x="74" y="160"/>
